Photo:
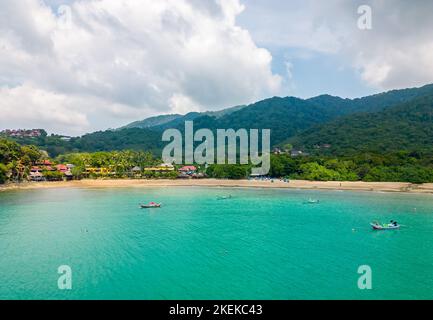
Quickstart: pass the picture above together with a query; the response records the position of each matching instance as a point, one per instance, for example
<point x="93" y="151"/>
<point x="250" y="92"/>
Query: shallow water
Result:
<point x="261" y="244"/>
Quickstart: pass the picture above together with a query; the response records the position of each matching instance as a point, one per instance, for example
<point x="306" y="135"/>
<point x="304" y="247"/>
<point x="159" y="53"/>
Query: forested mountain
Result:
<point x="288" y="117"/>
<point x="126" y="139"/>
<point x="152" y="121"/>
<point x="284" y="116"/>
<point x="162" y="120"/>
<point x="110" y="140"/>
<point x="407" y="126"/>
<point x="379" y="122"/>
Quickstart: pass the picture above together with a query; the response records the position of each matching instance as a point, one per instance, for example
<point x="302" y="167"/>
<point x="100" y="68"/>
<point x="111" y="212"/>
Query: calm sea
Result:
<point x="260" y="244"/>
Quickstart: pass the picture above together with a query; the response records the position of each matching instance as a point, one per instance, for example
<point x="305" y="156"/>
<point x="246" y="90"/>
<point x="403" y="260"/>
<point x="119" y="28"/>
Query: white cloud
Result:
<point x="128" y="59"/>
<point x="180" y="104"/>
<point x="396" y="53"/>
<point x="114" y="61"/>
<point x="28" y="107"/>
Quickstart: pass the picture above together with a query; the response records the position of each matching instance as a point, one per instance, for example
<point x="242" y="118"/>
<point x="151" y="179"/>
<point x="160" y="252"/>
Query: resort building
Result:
<point x="36" y="176"/>
<point x="136" y="172"/>
<point x="44" y="163"/>
<point x="189" y="170"/>
<point x="37" y="172"/>
<point x="62" y="168"/>
<point x="165" y="167"/>
<point x="35" y="169"/>
<point x="99" y="171"/>
<point x="20" y="133"/>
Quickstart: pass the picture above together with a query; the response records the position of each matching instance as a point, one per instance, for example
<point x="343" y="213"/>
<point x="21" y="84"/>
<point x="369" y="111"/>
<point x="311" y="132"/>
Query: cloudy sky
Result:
<point x="76" y="66"/>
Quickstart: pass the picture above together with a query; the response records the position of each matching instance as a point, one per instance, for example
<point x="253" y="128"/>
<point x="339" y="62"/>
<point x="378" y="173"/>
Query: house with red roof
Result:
<point x="46" y="163"/>
<point x="62" y="168"/>
<point x="188" y="170"/>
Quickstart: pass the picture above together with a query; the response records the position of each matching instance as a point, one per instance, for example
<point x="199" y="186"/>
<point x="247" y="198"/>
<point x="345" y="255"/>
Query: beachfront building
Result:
<point x="188" y="170"/>
<point x="66" y="170"/>
<point x="44" y="163"/>
<point x="62" y="168"/>
<point x="165" y="167"/>
<point x="99" y="171"/>
<point x="45" y="169"/>
<point x="36" y="176"/>
<point x="136" y="172"/>
<point x="35" y="169"/>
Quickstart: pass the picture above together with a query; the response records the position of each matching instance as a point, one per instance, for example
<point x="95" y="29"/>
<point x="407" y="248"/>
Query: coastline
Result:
<point x="293" y="184"/>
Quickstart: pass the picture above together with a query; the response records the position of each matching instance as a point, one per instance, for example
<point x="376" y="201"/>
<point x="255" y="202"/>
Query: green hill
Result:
<point x="288" y="117"/>
<point x="347" y="124"/>
<point x="162" y="120"/>
<point x="152" y="121"/>
<point x="407" y="126"/>
<point x="284" y="116"/>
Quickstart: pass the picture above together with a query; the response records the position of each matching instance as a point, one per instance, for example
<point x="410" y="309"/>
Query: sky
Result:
<point x="77" y="66"/>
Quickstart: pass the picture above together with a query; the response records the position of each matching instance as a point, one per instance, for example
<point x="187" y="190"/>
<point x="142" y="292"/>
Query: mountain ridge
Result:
<point x="302" y="122"/>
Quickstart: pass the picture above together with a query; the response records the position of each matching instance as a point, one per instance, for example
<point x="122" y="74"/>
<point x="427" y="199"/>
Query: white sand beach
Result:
<point x="294" y="184"/>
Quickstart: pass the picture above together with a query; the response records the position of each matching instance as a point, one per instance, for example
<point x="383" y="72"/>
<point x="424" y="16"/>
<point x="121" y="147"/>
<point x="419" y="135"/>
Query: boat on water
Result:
<point x="150" y="205"/>
<point x="224" y="197"/>
<point x="311" y="201"/>
<point x="385" y="226"/>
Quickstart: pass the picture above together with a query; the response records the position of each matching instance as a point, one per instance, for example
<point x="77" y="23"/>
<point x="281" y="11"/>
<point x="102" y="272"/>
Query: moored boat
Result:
<point x="311" y="201"/>
<point x="224" y="197"/>
<point x="390" y="226"/>
<point x="150" y="205"/>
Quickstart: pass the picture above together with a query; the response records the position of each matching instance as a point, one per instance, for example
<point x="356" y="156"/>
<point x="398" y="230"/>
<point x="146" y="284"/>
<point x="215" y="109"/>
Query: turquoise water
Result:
<point x="261" y="244"/>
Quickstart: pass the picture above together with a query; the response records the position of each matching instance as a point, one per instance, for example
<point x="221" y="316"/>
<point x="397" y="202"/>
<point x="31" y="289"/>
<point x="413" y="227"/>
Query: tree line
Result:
<point x="399" y="166"/>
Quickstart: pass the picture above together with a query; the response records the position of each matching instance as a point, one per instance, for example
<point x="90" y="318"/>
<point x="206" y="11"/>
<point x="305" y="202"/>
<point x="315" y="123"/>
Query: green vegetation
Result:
<point x="401" y="166"/>
<point x="384" y="137"/>
<point x="152" y="122"/>
<point x="404" y="166"/>
<point x="228" y="171"/>
<point x="126" y="139"/>
<point x="15" y="160"/>
<point x="118" y="163"/>
<point x="390" y="121"/>
<point x="3" y="173"/>
<point x="408" y="126"/>
<point x="160" y="175"/>
<point x="53" y="175"/>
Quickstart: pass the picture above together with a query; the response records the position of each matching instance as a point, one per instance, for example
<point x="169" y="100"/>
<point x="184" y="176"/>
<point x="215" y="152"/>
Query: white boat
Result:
<point x="150" y="205"/>
<point x="390" y="226"/>
<point x="224" y="197"/>
<point x="312" y="201"/>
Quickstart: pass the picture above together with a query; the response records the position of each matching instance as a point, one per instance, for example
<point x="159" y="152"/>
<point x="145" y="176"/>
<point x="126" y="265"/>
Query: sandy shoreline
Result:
<point x="293" y="184"/>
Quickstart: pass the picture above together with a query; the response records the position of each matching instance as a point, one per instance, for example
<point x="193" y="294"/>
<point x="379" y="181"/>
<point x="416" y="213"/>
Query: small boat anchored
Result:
<point x="224" y="197"/>
<point x="150" y="205"/>
<point x="393" y="225"/>
<point x="312" y="201"/>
